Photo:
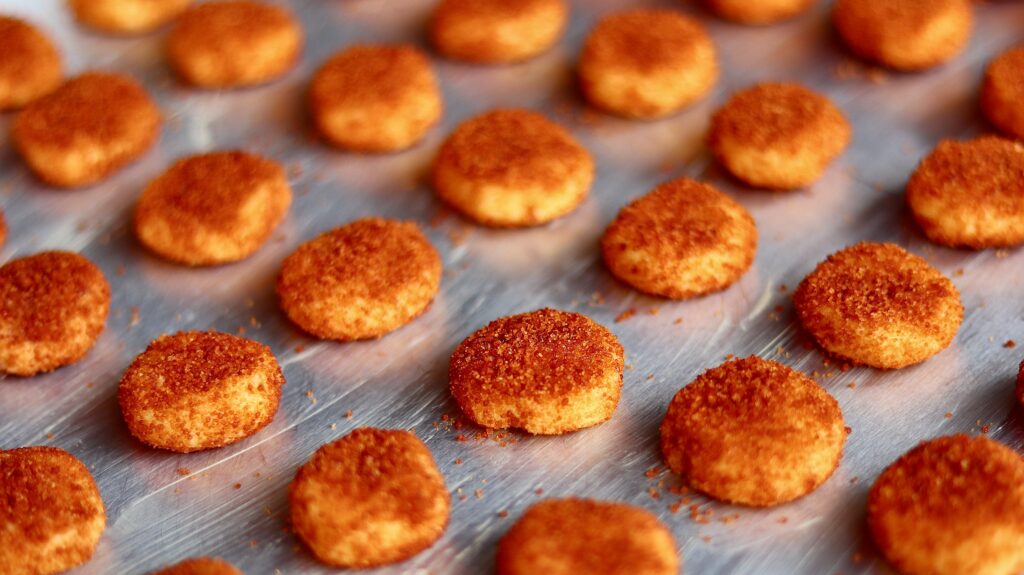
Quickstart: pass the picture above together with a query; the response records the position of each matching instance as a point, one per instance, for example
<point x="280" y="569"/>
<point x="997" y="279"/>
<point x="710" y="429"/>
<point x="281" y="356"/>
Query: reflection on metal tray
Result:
<point x="157" y="516"/>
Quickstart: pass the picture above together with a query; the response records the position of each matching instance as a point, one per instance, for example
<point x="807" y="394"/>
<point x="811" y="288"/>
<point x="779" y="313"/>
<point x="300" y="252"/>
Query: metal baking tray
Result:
<point x="232" y="503"/>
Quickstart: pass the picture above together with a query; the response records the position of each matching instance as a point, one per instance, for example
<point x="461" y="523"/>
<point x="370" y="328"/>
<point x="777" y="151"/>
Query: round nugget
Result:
<point x="88" y="129"/>
<point x="200" y="566"/>
<point x="512" y="168"/>
<point x="234" y="43"/>
<point x="371" y="498"/>
<point x="547" y="372"/>
<point x="573" y="536"/>
<point x="376" y="98"/>
<point x="758" y="12"/>
<point x="30" y="64"/>
<point x="904" y="35"/>
<point x="50" y="509"/>
<point x="778" y="136"/>
<point x="647" y="63"/>
<point x="877" y="305"/>
<point x="950" y="506"/>
<point x="682" y="240"/>
<point x="200" y="390"/>
<point x="753" y="432"/>
<point x="212" y="208"/>
<point x="1002" y="92"/>
<point x="497" y="31"/>
<point x="53" y="307"/>
<point x="361" y="280"/>
<point x="971" y="194"/>
<point x="127" y="16"/>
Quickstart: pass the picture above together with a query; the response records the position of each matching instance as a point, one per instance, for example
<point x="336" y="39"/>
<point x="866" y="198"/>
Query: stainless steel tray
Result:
<point x="232" y="502"/>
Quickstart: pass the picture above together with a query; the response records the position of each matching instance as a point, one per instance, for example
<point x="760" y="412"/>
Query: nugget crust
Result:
<point x="89" y="128"/>
<point x="547" y="372"/>
<point x="53" y="307"/>
<point x="971" y="194"/>
<point x="950" y="506"/>
<point x="778" y="136"/>
<point x="760" y="12"/>
<point x="371" y="498"/>
<point x="213" y="208"/>
<point x="1002" y="92"/>
<point x="682" y="240"/>
<point x="574" y="536"/>
<point x="753" y="432"/>
<point x="50" y="509"/>
<point x="497" y="31"/>
<point x="200" y="566"/>
<point x="877" y="305"/>
<point x="30" y="65"/>
<point x="361" y="280"/>
<point x="200" y="390"/>
<point x="127" y="17"/>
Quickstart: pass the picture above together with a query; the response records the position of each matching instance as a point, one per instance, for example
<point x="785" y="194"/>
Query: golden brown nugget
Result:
<point x="200" y="390"/>
<point x="753" y="432"/>
<point x="30" y="65"/>
<point x="91" y="127"/>
<point x="200" y="566"/>
<point x="906" y="35"/>
<point x="512" y="168"/>
<point x="647" y="63"/>
<point x="971" y="194"/>
<point x="877" y="305"/>
<point x="371" y="498"/>
<point x="778" y="136"/>
<point x="50" y="509"/>
<point x="213" y="208"/>
<point x="682" y="240"/>
<point x="758" y="12"/>
<point x="951" y="506"/>
<point x="234" y="43"/>
<point x="53" y="307"/>
<point x="546" y="372"/>
<point x="1002" y="92"/>
<point x="497" y="31"/>
<point x="584" y="536"/>
<point x="360" y="281"/>
<point x="376" y="98"/>
<point x="127" y="17"/>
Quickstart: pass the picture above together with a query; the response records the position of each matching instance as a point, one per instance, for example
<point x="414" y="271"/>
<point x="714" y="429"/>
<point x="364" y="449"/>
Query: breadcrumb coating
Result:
<point x="1002" y="92"/>
<point x="200" y="566"/>
<point x="30" y="65"/>
<point x="497" y="31"/>
<point x="371" y="498"/>
<point x="127" y="17"/>
<point x="950" y="506"/>
<point x="759" y="12"/>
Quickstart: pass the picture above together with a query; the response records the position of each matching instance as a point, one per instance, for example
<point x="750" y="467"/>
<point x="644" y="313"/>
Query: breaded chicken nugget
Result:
<point x="30" y="65"/>
<point x="497" y="31"/>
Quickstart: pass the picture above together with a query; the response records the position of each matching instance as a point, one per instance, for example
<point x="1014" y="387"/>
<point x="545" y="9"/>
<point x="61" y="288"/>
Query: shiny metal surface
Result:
<point x="233" y="502"/>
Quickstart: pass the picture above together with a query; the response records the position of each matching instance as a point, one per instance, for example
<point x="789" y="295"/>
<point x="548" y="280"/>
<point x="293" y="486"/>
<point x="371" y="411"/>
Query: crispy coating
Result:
<point x="200" y="566"/>
<point x="951" y="506"/>
<point x="778" y="136"/>
<point x="212" y="208"/>
<point x="577" y="536"/>
<point x="200" y="390"/>
<point x="360" y="281"/>
<point x="547" y="372"/>
<point x="906" y="35"/>
<point x="30" y="65"/>
<point x="50" y="509"/>
<point x="971" y="194"/>
<point x="877" y="305"/>
<point x="497" y="31"/>
<point x="1002" y="92"/>
<point x="53" y="307"/>
<point x="647" y="63"/>
<point x="376" y="98"/>
<point x="758" y="12"/>
<point x="512" y="168"/>
<point x="682" y="240"/>
<point x="127" y="17"/>
<point x="753" y="432"/>
<point x="89" y="128"/>
<point x="233" y="43"/>
<point x="371" y="498"/>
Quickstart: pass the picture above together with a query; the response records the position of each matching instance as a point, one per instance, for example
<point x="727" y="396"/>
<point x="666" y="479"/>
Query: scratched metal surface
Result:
<point x="157" y="516"/>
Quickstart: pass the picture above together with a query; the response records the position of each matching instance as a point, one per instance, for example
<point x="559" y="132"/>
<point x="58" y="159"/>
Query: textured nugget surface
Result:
<point x="127" y="16"/>
<point x="1002" y="92"/>
<point x="200" y="566"/>
<point x="759" y="12"/>
<point x="497" y="31"/>
<point x="30" y="65"/>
